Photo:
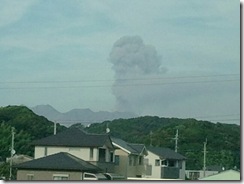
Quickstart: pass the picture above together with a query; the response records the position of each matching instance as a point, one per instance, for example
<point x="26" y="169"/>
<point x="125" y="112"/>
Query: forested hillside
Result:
<point x="223" y="140"/>
<point x="28" y="127"/>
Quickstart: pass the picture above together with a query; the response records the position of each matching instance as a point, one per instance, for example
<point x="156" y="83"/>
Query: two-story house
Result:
<point x="129" y="158"/>
<point x="164" y="163"/>
<point x="94" y="148"/>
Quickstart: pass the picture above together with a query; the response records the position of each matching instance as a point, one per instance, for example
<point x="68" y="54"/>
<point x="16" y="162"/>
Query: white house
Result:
<point x="164" y="163"/>
<point x="210" y="170"/>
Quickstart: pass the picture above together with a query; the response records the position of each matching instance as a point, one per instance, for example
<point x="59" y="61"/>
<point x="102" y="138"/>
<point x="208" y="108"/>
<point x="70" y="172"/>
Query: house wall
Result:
<point x="155" y="170"/>
<point x="122" y="168"/>
<point x="39" y="152"/>
<point x="183" y="170"/>
<point x="134" y="169"/>
<point x="47" y="175"/>
<point x="83" y="153"/>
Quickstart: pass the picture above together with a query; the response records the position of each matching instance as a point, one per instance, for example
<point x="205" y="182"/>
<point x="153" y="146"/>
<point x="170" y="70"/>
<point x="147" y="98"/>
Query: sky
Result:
<point x="162" y="58"/>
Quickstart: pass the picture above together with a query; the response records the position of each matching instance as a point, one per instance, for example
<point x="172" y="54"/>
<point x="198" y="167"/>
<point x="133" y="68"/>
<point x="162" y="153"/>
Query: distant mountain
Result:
<point x="83" y="116"/>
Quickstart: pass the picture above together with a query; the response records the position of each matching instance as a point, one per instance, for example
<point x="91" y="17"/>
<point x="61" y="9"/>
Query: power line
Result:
<point x="124" y="85"/>
<point x="119" y="79"/>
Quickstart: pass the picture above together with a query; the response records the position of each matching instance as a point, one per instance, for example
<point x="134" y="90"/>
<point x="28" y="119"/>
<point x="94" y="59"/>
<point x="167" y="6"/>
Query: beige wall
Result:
<point x="124" y="168"/>
<point x="47" y="175"/>
<point x="123" y="163"/>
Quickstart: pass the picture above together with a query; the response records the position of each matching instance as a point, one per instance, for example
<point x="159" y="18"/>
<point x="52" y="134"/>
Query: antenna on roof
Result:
<point x="107" y="129"/>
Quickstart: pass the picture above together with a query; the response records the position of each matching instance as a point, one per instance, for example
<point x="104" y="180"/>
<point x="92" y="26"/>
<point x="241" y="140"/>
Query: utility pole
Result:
<point x="204" y="157"/>
<point x="176" y="140"/>
<point x="12" y="151"/>
<point x="151" y="133"/>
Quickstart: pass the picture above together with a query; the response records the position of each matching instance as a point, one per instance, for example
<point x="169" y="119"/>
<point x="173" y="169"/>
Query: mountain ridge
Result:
<point x="84" y="116"/>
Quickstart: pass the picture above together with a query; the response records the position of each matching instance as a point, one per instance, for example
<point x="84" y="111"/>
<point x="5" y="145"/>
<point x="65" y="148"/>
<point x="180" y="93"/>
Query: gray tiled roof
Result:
<point x="75" y="137"/>
<point x="166" y="153"/>
<point x="59" y="161"/>
<point x="132" y="148"/>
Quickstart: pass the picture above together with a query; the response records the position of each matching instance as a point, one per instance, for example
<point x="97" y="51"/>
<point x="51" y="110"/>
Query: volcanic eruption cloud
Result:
<point x="134" y="63"/>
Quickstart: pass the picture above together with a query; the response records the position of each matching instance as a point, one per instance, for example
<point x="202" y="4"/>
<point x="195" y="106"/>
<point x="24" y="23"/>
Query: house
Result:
<point x="59" y="166"/>
<point x="164" y="163"/>
<point x="224" y="175"/>
<point x="129" y="158"/>
<point x="196" y="174"/>
<point x="94" y="148"/>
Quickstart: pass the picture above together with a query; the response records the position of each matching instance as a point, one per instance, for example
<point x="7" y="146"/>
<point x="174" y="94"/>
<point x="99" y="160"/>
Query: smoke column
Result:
<point x="133" y="60"/>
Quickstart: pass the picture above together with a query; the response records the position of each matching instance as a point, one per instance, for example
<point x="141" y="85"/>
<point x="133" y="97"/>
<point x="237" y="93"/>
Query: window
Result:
<point x="140" y="160"/>
<point x="130" y="160"/>
<point x="157" y="162"/>
<point x="164" y="163"/>
<point x="116" y="159"/>
<point x="60" y="177"/>
<point x="91" y="153"/>
<point x="171" y="163"/>
<point x="102" y="154"/>
<point x="111" y="156"/>
<point x="30" y="176"/>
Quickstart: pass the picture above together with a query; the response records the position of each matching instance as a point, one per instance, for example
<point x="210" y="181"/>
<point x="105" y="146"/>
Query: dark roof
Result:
<point x="166" y="153"/>
<point x="75" y="137"/>
<point x="59" y="161"/>
<point x="132" y="148"/>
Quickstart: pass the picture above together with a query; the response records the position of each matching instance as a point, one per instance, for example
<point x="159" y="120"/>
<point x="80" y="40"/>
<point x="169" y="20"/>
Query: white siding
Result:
<point x="156" y="170"/>
<point x="83" y="153"/>
<point x="39" y="152"/>
<point x="183" y="170"/>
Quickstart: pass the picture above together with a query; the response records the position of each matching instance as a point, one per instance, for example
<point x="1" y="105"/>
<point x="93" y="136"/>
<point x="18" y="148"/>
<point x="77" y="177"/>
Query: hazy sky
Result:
<point x="161" y="57"/>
